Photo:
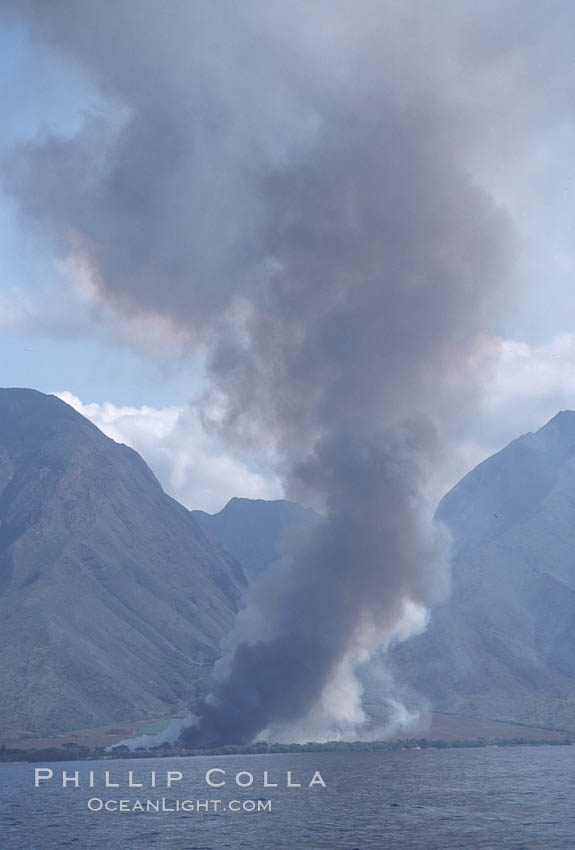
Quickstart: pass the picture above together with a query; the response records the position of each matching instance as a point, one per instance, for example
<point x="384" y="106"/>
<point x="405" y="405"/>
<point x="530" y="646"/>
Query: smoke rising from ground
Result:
<point x="340" y="592"/>
<point x="292" y="183"/>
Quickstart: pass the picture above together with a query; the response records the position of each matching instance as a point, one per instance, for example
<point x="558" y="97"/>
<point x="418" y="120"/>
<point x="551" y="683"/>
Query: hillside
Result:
<point x="113" y="600"/>
<point x="503" y="646"/>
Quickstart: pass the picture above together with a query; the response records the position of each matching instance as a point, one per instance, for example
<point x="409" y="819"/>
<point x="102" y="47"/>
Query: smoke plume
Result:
<point x="293" y="184"/>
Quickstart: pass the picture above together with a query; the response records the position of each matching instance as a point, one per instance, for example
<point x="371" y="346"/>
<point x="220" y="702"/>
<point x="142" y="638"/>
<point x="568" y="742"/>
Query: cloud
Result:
<point x="192" y="467"/>
<point x="527" y="386"/>
<point x="523" y="386"/>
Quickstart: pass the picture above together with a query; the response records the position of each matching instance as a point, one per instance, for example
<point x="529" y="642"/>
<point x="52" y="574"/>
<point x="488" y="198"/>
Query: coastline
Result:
<point x="8" y="755"/>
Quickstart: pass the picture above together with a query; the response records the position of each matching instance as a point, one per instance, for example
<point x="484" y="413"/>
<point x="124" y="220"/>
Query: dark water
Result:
<point x="517" y="798"/>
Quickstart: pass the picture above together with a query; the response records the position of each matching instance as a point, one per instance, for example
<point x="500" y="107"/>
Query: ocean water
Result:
<point x="518" y="798"/>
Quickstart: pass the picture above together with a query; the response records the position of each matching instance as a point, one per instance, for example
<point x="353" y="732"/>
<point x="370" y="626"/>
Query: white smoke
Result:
<point x="166" y="736"/>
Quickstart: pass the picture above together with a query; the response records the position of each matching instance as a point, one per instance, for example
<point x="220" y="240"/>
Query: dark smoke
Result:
<point x="291" y="183"/>
<point x="337" y="589"/>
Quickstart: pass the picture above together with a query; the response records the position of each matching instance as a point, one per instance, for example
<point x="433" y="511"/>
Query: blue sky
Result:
<point x="42" y="92"/>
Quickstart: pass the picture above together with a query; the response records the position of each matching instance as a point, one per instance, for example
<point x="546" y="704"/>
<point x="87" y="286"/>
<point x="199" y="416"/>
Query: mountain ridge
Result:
<point x="252" y="530"/>
<point x="113" y="600"/>
<point x="502" y="646"/>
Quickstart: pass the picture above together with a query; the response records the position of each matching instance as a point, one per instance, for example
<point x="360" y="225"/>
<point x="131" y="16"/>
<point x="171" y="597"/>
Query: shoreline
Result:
<point x="77" y="753"/>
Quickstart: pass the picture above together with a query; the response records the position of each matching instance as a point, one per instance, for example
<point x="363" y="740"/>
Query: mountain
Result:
<point x="113" y="600"/>
<point x="252" y="529"/>
<point x="503" y="645"/>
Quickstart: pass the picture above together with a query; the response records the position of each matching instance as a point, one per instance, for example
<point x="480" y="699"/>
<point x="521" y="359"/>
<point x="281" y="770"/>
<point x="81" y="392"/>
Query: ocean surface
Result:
<point x="520" y="798"/>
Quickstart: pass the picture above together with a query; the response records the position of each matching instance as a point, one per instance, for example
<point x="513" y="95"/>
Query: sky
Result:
<point x="137" y="377"/>
<point x="49" y="333"/>
<point x="133" y="382"/>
